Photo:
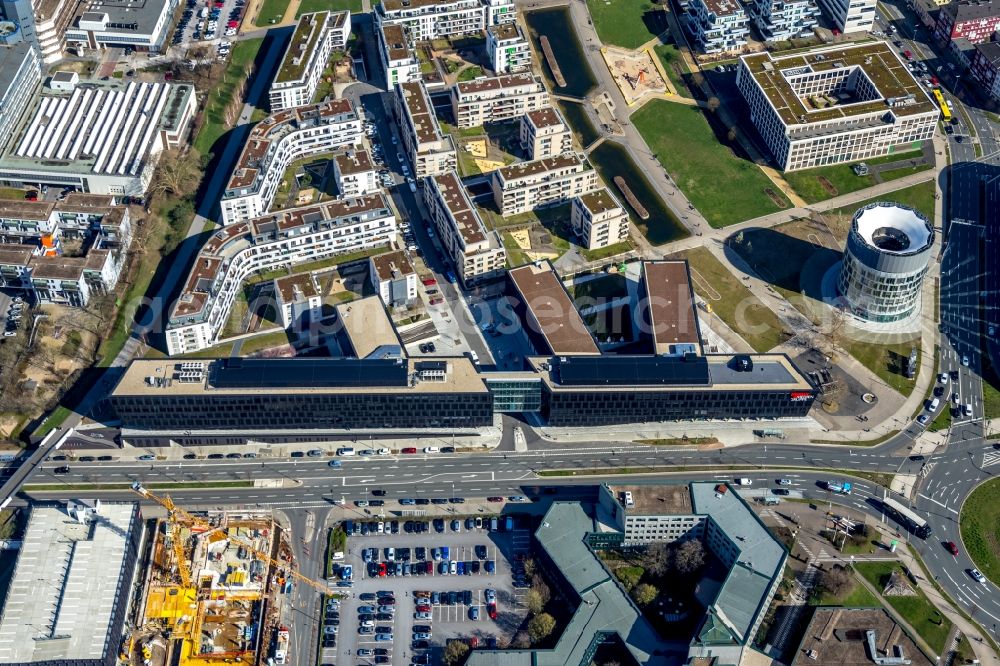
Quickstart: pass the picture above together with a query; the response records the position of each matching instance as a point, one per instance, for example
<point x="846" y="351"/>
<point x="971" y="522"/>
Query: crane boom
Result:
<point x="179" y="515"/>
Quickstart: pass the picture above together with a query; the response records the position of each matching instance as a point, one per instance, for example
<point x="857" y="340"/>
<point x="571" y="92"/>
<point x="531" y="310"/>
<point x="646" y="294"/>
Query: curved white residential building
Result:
<point x="276" y="142"/>
<point x="885" y="260"/>
<point x="288" y="238"/>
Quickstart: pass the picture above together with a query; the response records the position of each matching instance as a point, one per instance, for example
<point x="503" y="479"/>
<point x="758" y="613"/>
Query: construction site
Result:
<point x="214" y="590"/>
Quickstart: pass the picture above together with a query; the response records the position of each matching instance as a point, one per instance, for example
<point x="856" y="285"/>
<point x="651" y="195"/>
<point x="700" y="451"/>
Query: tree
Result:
<point x="529" y="567"/>
<point x="713" y="104"/>
<point x="534" y="602"/>
<point x="659" y="558"/>
<point x="644" y="594"/>
<point x="539" y="585"/>
<point x="521" y="641"/>
<point x="540" y="626"/>
<point x="836" y="580"/>
<point x="455" y="652"/>
<point x="731" y="135"/>
<point x="690" y="556"/>
<point x="176" y="173"/>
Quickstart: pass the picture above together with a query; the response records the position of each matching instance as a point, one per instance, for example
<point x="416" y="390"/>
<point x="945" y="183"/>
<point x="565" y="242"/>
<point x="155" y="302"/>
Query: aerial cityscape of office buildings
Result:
<point x="498" y="332"/>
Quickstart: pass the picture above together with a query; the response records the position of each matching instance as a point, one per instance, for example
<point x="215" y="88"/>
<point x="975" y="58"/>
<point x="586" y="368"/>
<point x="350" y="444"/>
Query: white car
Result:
<point x="977" y="576"/>
<point x="383" y="452"/>
<point x="431" y="449"/>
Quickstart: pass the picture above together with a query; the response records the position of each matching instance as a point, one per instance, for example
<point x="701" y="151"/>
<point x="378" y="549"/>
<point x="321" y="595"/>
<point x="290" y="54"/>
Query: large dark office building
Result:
<point x="568" y="382"/>
<point x="269" y="394"/>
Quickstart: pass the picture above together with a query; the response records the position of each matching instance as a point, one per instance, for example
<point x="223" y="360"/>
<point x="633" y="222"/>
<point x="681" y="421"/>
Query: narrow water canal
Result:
<point x="556" y="24"/>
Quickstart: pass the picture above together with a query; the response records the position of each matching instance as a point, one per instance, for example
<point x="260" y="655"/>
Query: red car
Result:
<point x="435" y="301"/>
<point x="31" y="196"/>
<point x="232" y="24"/>
<point x="382" y="569"/>
<point x="491" y="610"/>
<point x="430" y="282"/>
<point x="430" y="567"/>
<point x="494" y="499"/>
<point x="952" y="548"/>
<point x="423" y="608"/>
<point x="410" y="449"/>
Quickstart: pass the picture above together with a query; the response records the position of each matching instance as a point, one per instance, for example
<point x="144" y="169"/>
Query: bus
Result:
<point x="905" y="517"/>
<point x="939" y="98"/>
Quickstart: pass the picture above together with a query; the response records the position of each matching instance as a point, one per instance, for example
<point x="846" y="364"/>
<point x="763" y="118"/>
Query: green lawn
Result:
<point x="886" y="361"/>
<point x="307" y="6"/>
<point x="626" y="22"/>
<point x="470" y="73"/>
<point x="920" y="197"/>
<point x="605" y="252"/>
<point x="732" y="302"/>
<point x="271" y="9"/>
<point x="991" y="401"/>
<point x="672" y="62"/>
<point x="857" y="596"/>
<point x="243" y="54"/>
<point x="917" y="610"/>
<point x="981" y="528"/>
<point x="827" y="182"/>
<point x="724" y="188"/>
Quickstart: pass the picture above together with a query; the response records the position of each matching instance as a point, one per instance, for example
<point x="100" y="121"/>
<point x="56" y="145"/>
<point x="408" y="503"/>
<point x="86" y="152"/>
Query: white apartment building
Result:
<point x="476" y="253"/>
<point x="393" y="278"/>
<point x="315" y="38"/>
<point x="525" y="186"/>
<point x="355" y="174"/>
<point x="298" y="300"/>
<point x="33" y="241"/>
<point x="507" y="48"/>
<point x="288" y="238"/>
<point x="104" y="137"/>
<point x="599" y="220"/>
<point x="276" y="142"/>
<point x="429" y="151"/>
<point x="433" y="19"/>
<point x="780" y="20"/>
<point x="544" y="133"/>
<point x="836" y="104"/>
<point x="141" y="25"/>
<point x="850" y="15"/>
<point x="20" y="77"/>
<point x="718" y="25"/>
<point x="496" y="98"/>
<point x="399" y="62"/>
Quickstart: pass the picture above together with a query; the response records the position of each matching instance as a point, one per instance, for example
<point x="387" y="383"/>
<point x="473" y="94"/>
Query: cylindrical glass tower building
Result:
<point x="888" y="249"/>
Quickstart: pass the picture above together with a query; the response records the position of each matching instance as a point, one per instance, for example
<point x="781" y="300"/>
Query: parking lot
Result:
<point x="408" y="607"/>
<point x="221" y="22"/>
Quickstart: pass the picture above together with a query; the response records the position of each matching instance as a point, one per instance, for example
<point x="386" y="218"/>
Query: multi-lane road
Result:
<point x="945" y="479"/>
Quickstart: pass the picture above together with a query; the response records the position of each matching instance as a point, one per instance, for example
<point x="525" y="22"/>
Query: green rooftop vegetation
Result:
<point x="307" y="32"/>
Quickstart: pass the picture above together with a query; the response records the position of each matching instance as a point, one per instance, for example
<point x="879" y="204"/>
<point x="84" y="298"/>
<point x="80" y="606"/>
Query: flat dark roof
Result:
<point x="306" y="372"/>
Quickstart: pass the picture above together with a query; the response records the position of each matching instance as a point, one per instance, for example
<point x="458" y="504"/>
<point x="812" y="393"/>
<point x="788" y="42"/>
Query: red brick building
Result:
<point x="975" y="20"/>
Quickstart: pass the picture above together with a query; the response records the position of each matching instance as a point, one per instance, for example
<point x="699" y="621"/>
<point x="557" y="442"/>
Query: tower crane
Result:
<point x="178" y="516"/>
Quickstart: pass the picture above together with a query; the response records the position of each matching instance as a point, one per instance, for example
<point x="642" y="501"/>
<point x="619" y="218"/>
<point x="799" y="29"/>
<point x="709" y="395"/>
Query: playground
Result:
<point x="635" y="73"/>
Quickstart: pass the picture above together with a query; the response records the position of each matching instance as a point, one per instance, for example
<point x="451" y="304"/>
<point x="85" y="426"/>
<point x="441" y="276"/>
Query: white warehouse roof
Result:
<point x="63" y="596"/>
<point x="113" y="128"/>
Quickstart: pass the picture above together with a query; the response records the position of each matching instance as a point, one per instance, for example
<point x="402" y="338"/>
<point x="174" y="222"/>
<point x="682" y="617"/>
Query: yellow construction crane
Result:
<point x="178" y="515"/>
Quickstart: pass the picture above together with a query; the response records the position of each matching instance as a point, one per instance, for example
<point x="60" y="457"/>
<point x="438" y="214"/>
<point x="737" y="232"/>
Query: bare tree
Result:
<point x="176" y="173"/>
<point x="690" y="556"/>
<point x="836" y="580"/>
<point x="659" y="558"/>
<point x="713" y="104"/>
<point x="534" y="602"/>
